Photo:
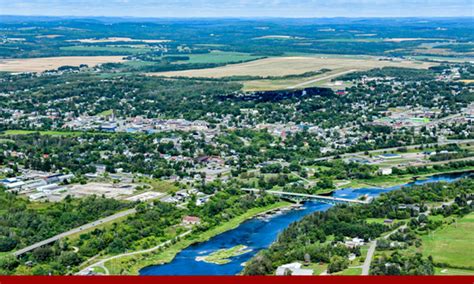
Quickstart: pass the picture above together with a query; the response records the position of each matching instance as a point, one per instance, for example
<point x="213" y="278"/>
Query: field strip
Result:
<point x="49" y="63"/>
<point x="321" y="79"/>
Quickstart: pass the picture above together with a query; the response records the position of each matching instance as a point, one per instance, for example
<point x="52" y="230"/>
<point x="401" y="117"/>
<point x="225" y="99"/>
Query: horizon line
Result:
<point x="236" y="17"/>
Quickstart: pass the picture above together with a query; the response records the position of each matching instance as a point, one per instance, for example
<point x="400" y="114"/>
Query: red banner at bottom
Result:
<point x="237" y="279"/>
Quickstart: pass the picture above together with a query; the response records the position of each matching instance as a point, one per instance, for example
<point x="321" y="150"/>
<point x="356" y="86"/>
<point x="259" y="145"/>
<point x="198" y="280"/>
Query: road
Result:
<point x="102" y="262"/>
<point x="368" y="258"/>
<point x="75" y="231"/>
<point x="79" y="229"/>
<point x="321" y="79"/>
<point x="371" y="251"/>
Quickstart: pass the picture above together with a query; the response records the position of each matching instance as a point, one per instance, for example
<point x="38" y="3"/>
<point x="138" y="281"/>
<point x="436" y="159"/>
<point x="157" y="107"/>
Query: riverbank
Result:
<point x="393" y="180"/>
<point x="131" y="265"/>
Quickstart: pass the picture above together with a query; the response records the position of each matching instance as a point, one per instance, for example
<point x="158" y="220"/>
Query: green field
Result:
<point x="106" y="112"/>
<point x="218" y="57"/>
<point x="453" y="271"/>
<point x="54" y="133"/>
<point x="159" y="185"/>
<point x="349" y="271"/>
<point x="452" y="244"/>
<point x="317" y="268"/>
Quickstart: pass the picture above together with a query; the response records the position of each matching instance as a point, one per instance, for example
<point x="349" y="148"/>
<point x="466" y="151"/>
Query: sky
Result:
<point x="240" y="8"/>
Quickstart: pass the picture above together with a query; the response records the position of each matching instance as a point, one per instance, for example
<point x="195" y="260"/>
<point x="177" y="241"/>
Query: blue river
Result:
<point x="259" y="234"/>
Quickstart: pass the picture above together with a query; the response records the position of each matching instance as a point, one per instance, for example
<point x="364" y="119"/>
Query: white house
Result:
<point x="293" y="269"/>
<point x="385" y="171"/>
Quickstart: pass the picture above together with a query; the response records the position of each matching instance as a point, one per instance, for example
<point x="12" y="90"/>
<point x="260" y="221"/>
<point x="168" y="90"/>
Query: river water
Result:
<point x="259" y="234"/>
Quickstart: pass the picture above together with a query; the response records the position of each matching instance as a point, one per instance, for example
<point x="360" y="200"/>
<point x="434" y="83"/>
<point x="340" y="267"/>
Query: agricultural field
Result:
<point x="449" y="244"/>
<point x="124" y="49"/>
<point x="119" y="39"/>
<point x="49" y="63"/>
<point x="293" y="65"/>
<point x="220" y="57"/>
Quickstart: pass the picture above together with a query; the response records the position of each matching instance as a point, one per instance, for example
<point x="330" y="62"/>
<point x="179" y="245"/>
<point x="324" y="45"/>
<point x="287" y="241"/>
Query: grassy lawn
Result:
<point x="132" y="264"/>
<point x="55" y="133"/>
<point x="106" y="112"/>
<point x="159" y="185"/>
<point x="453" y="271"/>
<point x="452" y="244"/>
<point x="99" y="270"/>
<point x="349" y="271"/>
<point x="317" y="268"/>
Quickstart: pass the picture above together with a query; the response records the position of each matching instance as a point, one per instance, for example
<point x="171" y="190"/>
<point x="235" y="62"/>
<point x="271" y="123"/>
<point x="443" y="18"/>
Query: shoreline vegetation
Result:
<point x="131" y="265"/>
<point x="394" y="180"/>
<point x="223" y="256"/>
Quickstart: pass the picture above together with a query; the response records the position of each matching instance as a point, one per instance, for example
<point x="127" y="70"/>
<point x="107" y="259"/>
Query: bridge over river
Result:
<point x="309" y="197"/>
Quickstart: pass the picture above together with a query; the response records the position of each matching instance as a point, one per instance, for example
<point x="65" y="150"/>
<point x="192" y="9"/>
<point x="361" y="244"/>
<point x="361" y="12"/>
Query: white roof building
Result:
<point x="293" y="269"/>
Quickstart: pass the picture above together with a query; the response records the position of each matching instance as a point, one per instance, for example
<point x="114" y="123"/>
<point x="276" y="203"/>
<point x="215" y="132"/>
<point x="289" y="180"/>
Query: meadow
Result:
<point x="448" y="245"/>
<point x="220" y="57"/>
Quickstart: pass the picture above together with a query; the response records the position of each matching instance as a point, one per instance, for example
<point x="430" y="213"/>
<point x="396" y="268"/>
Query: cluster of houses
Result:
<point x="110" y="123"/>
<point x="184" y="195"/>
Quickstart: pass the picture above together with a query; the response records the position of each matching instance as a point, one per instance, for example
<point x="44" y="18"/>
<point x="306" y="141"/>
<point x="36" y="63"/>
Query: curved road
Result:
<point x="102" y="262"/>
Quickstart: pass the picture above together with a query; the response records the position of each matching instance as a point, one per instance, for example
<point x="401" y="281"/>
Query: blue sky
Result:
<point x="240" y="8"/>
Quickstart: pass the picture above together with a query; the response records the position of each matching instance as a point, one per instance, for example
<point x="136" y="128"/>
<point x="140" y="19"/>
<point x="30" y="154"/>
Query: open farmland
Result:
<point x="221" y="57"/>
<point x="281" y="66"/>
<point x="48" y="63"/>
<point x="449" y="244"/>
<point x="121" y="49"/>
<point x="119" y="39"/>
<point x="293" y="65"/>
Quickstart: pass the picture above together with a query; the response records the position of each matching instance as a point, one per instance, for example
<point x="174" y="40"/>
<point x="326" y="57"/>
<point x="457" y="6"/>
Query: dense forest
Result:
<point x="260" y="37"/>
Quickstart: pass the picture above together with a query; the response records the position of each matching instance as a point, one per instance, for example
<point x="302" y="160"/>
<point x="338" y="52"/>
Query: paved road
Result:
<point x="321" y="79"/>
<point x="79" y="229"/>
<point x="102" y="262"/>
<point x="75" y="231"/>
<point x="371" y="251"/>
<point x="368" y="258"/>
